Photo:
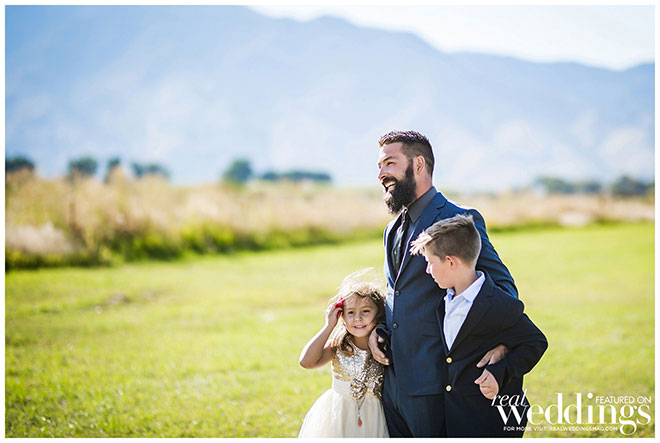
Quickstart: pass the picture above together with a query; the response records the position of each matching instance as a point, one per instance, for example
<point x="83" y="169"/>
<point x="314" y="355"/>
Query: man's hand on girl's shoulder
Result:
<point x="376" y="352"/>
<point x="493" y="356"/>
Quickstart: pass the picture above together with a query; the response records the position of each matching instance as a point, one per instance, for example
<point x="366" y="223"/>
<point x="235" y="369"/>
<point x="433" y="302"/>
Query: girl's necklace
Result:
<point x="358" y="385"/>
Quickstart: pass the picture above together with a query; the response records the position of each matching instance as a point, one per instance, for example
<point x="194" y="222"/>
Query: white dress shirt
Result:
<point x="458" y="306"/>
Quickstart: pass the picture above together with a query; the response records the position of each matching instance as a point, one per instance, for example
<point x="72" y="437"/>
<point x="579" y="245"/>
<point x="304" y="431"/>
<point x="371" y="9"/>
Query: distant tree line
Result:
<point x="297" y="176"/>
<point x="86" y="167"/>
<point x="18" y="163"/>
<point x="624" y="186"/>
<point x="141" y="170"/>
<point x="82" y="167"/>
<point x="240" y="172"/>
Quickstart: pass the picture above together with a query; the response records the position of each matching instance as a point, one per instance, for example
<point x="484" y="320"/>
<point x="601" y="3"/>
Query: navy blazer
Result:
<point x="417" y="349"/>
<point x="494" y="318"/>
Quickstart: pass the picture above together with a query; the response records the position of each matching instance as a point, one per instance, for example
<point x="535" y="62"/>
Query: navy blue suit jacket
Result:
<point x="494" y="318"/>
<point x="417" y="349"/>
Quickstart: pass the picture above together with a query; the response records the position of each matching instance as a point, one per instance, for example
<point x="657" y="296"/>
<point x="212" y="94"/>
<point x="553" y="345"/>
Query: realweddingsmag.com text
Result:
<point x="626" y="412"/>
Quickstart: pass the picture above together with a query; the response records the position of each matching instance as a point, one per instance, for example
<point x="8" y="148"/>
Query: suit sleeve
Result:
<point x="490" y="262"/>
<point x="527" y="344"/>
<point x="382" y="325"/>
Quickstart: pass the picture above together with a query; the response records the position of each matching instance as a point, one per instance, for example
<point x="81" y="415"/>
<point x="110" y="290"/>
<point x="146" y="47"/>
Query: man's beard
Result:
<point x="404" y="192"/>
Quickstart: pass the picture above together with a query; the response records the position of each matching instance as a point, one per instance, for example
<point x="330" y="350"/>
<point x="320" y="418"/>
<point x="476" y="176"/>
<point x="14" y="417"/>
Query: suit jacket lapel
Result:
<point x="440" y="313"/>
<point x="479" y="308"/>
<point x="425" y="220"/>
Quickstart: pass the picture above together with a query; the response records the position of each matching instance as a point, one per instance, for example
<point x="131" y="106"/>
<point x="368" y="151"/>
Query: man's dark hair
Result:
<point x="414" y="144"/>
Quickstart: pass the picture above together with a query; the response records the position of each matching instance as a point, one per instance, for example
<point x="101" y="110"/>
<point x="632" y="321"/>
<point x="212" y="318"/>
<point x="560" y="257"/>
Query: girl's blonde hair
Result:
<point x="353" y="286"/>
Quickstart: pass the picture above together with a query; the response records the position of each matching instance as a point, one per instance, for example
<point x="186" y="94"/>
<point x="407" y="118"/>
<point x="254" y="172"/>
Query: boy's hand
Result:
<point x="488" y="385"/>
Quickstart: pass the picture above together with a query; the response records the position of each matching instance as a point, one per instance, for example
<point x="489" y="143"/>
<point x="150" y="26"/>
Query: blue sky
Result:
<point x="616" y="37"/>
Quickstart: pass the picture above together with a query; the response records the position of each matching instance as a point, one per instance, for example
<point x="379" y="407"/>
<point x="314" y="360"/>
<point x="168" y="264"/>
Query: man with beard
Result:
<point x="415" y="382"/>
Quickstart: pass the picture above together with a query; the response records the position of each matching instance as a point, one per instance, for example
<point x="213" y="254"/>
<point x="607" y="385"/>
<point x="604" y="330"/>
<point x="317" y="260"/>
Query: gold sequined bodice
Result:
<point x="364" y="374"/>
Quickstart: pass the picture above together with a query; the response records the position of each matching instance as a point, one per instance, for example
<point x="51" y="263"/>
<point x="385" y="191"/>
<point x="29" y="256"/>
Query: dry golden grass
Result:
<point x="125" y="216"/>
<point x="525" y="208"/>
<point x="47" y="216"/>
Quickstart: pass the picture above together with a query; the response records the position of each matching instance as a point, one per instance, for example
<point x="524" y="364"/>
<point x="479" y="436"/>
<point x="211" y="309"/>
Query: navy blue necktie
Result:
<point x="398" y="250"/>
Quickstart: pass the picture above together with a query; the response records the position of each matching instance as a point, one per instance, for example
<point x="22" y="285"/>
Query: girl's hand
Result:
<point x="332" y="315"/>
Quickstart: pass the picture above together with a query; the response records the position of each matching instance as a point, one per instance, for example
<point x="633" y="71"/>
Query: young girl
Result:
<point x="352" y="408"/>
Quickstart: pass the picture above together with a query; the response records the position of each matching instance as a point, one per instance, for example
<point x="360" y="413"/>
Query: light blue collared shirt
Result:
<point x="458" y="306"/>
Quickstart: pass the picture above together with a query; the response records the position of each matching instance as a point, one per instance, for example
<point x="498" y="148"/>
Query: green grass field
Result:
<point x="208" y="347"/>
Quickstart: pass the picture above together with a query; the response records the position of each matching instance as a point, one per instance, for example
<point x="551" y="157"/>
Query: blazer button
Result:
<point x="448" y="388"/>
<point x="397" y="293"/>
<point x="395" y="325"/>
<point x="449" y="360"/>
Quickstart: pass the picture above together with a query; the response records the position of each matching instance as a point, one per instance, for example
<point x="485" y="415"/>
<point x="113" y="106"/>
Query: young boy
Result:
<point x="474" y="317"/>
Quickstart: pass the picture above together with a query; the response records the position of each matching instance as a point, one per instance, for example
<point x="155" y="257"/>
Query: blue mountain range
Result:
<point x="194" y="88"/>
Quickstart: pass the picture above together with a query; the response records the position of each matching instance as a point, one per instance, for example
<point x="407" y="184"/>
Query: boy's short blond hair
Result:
<point x="456" y="236"/>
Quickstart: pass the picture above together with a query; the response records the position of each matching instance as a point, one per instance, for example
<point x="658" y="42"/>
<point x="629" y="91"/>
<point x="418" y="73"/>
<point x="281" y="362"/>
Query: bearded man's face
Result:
<point x="396" y="176"/>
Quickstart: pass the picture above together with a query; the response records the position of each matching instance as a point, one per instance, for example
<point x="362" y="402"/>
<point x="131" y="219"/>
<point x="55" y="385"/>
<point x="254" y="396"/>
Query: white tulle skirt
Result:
<point x="335" y="414"/>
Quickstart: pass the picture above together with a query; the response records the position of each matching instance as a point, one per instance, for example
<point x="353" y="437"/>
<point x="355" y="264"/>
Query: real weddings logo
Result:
<point x="576" y="412"/>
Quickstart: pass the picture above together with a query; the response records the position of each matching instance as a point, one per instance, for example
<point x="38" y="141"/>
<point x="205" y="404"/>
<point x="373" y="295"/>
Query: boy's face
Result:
<point x="359" y="314"/>
<point x="439" y="269"/>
